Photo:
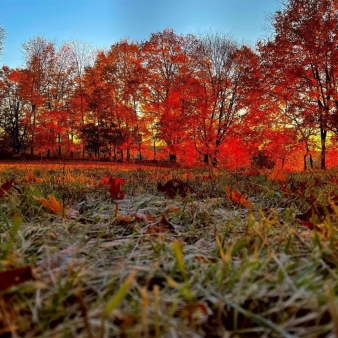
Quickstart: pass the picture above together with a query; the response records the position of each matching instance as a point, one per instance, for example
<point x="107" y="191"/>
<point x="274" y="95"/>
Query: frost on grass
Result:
<point x="193" y="266"/>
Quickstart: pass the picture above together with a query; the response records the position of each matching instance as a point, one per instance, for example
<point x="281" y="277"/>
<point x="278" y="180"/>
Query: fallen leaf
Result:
<point x="6" y="187"/>
<point x="175" y="187"/>
<point x="51" y="203"/>
<point x="139" y="216"/>
<point x="9" y="278"/>
<point x="123" y="220"/>
<point x="162" y="226"/>
<point x="314" y="216"/>
<point x="174" y="210"/>
<point x="236" y="197"/>
<point x="195" y="313"/>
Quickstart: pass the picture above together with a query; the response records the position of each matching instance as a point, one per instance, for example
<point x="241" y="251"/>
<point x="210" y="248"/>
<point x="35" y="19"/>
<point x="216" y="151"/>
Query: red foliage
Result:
<point x="115" y="187"/>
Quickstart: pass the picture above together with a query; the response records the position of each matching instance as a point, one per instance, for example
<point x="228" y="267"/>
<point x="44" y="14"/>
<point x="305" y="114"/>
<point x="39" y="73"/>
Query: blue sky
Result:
<point x="104" y="22"/>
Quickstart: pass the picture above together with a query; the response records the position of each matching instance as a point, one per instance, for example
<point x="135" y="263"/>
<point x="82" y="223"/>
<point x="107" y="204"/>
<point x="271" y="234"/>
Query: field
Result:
<point x="89" y="251"/>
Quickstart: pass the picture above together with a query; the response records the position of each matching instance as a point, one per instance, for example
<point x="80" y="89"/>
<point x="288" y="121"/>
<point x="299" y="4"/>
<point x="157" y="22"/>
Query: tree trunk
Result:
<point x="139" y="151"/>
<point x="34" y="119"/>
<point x="206" y="158"/>
<point x="323" y="148"/>
<point x="172" y="157"/>
<point x="59" y="141"/>
<point x="214" y="162"/>
<point x="311" y="161"/>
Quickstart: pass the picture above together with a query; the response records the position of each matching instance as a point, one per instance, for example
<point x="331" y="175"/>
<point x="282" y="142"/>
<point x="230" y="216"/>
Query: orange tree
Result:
<point x="228" y="74"/>
<point x="301" y="58"/>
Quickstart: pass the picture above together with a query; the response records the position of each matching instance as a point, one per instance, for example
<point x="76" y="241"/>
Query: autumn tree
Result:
<point x="301" y="57"/>
<point x="49" y="88"/>
<point x="14" y="120"/>
<point x="39" y="54"/>
<point x="83" y="56"/>
<point x="166" y="88"/>
<point x="227" y="73"/>
<point x="113" y="96"/>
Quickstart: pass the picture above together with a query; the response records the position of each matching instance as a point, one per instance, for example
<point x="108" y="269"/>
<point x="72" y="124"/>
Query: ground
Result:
<point x="104" y="251"/>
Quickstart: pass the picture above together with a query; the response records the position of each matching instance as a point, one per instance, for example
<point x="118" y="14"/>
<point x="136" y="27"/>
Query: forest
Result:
<point x="182" y="98"/>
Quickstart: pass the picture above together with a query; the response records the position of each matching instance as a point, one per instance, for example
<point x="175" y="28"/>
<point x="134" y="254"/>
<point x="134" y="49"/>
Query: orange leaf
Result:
<point x="236" y="197"/>
<point x="16" y="276"/>
<point x="51" y="203"/>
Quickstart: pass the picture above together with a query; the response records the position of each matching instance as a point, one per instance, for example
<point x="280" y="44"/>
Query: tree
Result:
<point x="112" y="90"/>
<point x="39" y="56"/>
<point x="13" y="110"/>
<point x="227" y="74"/>
<point x="83" y="56"/>
<point x="50" y="73"/>
<point x="2" y="39"/>
<point x="166" y="87"/>
<point x="302" y="57"/>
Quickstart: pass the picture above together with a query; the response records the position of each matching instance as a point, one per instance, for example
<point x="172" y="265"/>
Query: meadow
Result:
<point x="128" y="251"/>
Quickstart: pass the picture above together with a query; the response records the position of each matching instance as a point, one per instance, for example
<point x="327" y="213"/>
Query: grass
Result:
<point x="224" y="271"/>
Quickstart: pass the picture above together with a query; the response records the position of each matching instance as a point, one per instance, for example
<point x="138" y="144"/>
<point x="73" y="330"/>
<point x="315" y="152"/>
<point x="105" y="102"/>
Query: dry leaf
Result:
<point x="6" y="187"/>
<point x="9" y="278"/>
<point x="162" y="226"/>
<point x="139" y="216"/>
<point x="236" y="197"/>
<point x="51" y="203"/>
<point x="175" y="187"/>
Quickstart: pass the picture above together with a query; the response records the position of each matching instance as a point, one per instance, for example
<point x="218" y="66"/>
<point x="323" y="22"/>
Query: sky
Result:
<point x="105" y="22"/>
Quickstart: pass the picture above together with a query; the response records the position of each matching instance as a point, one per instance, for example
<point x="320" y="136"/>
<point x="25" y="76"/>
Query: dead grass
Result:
<point x="224" y="271"/>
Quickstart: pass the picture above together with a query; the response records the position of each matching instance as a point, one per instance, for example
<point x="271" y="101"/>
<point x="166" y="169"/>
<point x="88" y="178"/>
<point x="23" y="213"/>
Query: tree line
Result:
<point x="186" y="97"/>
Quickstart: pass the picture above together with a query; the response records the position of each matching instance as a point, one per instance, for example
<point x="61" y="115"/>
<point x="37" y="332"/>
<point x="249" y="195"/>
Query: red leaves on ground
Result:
<point x="115" y="187"/>
<point x="175" y="187"/>
<point x="9" y="278"/>
<point x="6" y="187"/>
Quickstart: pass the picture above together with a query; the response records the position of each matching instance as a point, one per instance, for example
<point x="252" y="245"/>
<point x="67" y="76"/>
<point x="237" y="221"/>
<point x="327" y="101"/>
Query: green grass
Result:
<point x="225" y="271"/>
